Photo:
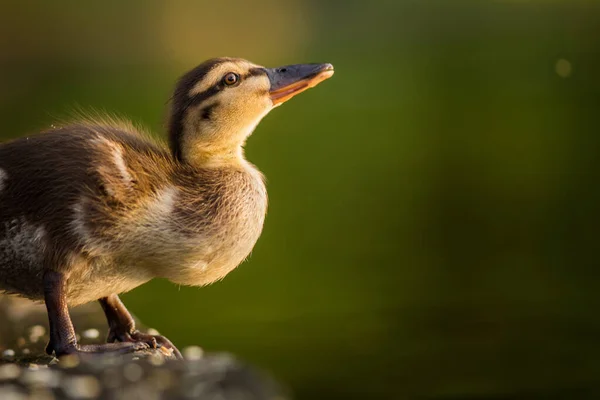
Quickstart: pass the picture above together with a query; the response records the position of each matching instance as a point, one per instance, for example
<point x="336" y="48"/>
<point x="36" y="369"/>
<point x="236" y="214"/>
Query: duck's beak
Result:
<point x="288" y="81"/>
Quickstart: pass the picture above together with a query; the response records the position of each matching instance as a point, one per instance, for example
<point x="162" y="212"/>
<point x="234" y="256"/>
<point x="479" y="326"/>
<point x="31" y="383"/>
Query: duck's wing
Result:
<point x="78" y="177"/>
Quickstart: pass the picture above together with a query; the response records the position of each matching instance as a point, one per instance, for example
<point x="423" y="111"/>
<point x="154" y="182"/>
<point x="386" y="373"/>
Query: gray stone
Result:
<point x="27" y="372"/>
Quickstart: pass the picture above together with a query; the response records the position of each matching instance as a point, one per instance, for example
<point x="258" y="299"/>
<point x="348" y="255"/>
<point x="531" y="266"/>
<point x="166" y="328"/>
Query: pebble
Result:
<point x="152" y="331"/>
<point x="162" y="379"/>
<point x="193" y="353"/>
<point x="165" y="351"/>
<point x="111" y="378"/>
<point x="36" y="333"/>
<point x="82" y="386"/>
<point x="9" y="371"/>
<point x="41" y="394"/>
<point x="91" y="334"/>
<point x="197" y="391"/>
<point x="42" y="377"/>
<point x="11" y="392"/>
<point x="133" y="372"/>
<point x="8" y="353"/>
<point x="156" y="360"/>
<point x="69" y="361"/>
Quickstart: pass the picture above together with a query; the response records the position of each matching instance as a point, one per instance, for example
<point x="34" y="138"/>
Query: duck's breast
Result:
<point x="204" y="225"/>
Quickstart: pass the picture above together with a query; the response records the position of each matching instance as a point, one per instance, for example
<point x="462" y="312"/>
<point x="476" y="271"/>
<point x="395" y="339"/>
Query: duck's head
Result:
<point x="217" y="105"/>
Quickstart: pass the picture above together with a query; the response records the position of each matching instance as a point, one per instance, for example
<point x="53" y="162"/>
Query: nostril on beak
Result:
<point x="283" y="70"/>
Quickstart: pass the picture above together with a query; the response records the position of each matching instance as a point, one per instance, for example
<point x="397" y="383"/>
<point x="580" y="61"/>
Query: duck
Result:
<point x="96" y="207"/>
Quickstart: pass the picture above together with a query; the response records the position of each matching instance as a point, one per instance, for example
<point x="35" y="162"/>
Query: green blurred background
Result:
<point x="433" y="227"/>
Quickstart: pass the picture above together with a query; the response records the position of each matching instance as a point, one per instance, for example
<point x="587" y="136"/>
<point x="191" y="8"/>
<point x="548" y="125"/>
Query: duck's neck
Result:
<point x="209" y="147"/>
<point x="192" y="149"/>
<point x="204" y="156"/>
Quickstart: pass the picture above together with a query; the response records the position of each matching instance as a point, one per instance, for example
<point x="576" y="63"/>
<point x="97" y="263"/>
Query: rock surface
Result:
<point x="26" y="372"/>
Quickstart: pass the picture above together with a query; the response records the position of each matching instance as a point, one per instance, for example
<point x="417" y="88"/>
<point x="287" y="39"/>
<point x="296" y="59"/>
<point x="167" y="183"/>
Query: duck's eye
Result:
<point x="231" y="79"/>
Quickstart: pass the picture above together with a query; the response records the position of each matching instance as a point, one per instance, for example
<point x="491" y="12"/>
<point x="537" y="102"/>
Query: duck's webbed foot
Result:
<point x="152" y="341"/>
<point x="122" y="327"/>
<point x="62" y="334"/>
<point x="61" y="349"/>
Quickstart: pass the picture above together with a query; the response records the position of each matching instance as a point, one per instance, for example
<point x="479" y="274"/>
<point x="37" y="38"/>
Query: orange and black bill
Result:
<point x="288" y="81"/>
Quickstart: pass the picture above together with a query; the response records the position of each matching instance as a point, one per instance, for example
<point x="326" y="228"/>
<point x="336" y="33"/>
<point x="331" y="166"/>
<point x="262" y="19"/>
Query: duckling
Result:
<point x="95" y="208"/>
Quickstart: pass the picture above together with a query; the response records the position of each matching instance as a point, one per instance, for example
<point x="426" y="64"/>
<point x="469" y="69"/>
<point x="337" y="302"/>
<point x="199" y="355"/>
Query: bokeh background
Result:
<point x="433" y="227"/>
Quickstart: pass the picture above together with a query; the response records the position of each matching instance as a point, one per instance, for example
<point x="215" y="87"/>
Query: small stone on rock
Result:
<point x="11" y="392"/>
<point x="41" y="394"/>
<point x="82" y="386"/>
<point x="152" y="331"/>
<point x="156" y="360"/>
<point x="91" y="334"/>
<point x="9" y="371"/>
<point x="162" y="379"/>
<point x="8" y="353"/>
<point x="193" y="353"/>
<point x="165" y="351"/>
<point x="111" y="378"/>
<point x="69" y="361"/>
<point x="43" y="378"/>
<point x="36" y="332"/>
<point x="133" y="372"/>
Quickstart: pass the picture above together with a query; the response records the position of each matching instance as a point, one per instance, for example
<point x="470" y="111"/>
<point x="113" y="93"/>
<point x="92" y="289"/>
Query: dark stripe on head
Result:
<point x="208" y="111"/>
<point x="182" y="101"/>
<point x="203" y="96"/>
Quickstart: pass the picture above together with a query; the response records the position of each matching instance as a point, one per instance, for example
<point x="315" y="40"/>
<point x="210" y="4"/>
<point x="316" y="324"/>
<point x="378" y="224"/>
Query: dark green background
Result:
<point x="434" y="207"/>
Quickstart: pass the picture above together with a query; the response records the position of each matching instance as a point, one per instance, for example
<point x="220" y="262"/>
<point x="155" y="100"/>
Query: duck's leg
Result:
<point x="122" y="326"/>
<point x="62" y="333"/>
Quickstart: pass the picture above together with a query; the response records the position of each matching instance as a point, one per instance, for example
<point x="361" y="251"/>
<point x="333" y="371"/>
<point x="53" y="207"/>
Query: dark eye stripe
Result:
<point x="208" y="93"/>
<point x="203" y="96"/>
<point x="255" y="72"/>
